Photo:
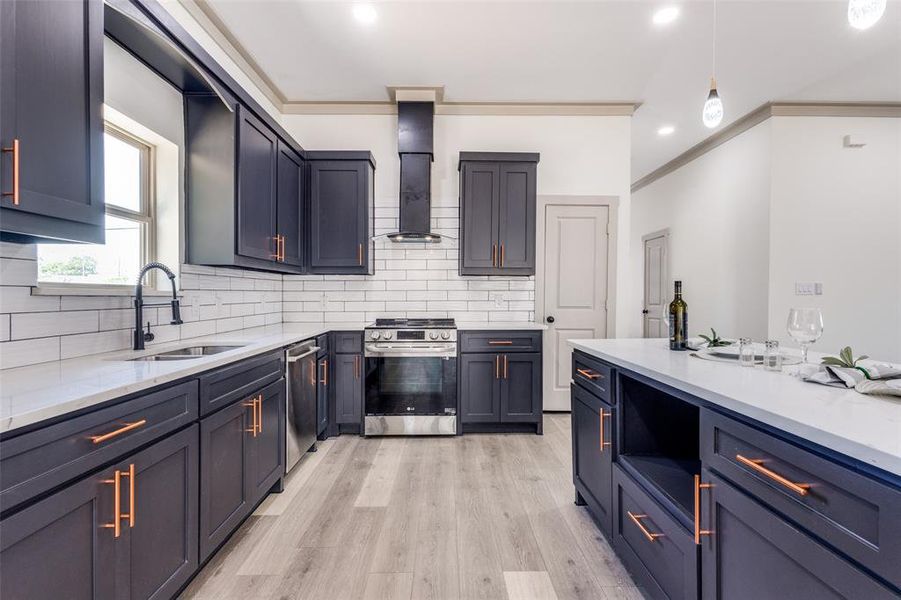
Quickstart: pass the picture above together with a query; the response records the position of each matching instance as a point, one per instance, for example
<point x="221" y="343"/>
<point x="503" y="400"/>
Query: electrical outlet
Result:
<point x="808" y="289"/>
<point x="498" y="298"/>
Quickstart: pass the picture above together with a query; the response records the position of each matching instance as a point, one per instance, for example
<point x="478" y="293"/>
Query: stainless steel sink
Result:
<point x="190" y="352"/>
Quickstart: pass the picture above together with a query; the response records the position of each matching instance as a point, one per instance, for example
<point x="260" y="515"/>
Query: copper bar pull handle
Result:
<point x="502" y="255"/>
<point x="652" y="537"/>
<point x="259" y="402"/>
<point x="497" y="366"/>
<point x="757" y="464"/>
<point x="360" y="254"/>
<point x="324" y="365"/>
<point x="283" y="248"/>
<point x="117" y="504"/>
<point x="253" y="415"/>
<point x="500" y="343"/>
<point x="108" y="436"/>
<point x="494" y="254"/>
<point x="131" y="494"/>
<point x="505" y="366"/>
<point x="698" y="487"/>
<point x="15" y="151"/>
<point x="588" y="374"/>
<point x="604" y="415"/>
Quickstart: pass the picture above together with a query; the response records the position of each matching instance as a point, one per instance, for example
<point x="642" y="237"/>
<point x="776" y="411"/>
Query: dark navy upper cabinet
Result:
<point x="233" y="156"/>
<point x="290" y="194"/>
<point x="497" y="213"/>
<point x="51" y="124"/>
<point x="257" y="212"/>
<point x="341" y="212"/>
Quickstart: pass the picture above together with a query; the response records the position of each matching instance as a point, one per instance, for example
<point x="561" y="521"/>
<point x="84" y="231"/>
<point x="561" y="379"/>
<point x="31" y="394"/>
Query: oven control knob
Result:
<point x="433" y="335"/>
<point x="445" y="335"/>
<point x="388" y="335"/>
<point x="375" y="335"/>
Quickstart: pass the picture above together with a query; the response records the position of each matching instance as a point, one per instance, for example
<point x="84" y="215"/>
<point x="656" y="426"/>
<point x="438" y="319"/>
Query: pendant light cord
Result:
<point x="713" y="73"/>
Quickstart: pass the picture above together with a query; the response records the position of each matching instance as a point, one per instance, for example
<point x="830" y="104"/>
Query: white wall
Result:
<point x="579" y="156"/>
<point x="836" y="219"/>
<point x="785" y="202"/>
<point x="716" y="208"/>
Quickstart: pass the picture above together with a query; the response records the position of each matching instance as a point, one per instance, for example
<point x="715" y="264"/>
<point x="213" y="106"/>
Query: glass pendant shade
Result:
<point x="713" y="107"/>
<point x="863" y="14"/>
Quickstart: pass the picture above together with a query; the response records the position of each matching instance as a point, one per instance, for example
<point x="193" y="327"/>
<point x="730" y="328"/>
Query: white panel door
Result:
<point x="655" y="275"/>
<point x="575" y="290"/>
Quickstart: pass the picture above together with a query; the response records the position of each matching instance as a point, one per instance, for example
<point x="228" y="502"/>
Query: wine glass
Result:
<point x="805" y="326"/>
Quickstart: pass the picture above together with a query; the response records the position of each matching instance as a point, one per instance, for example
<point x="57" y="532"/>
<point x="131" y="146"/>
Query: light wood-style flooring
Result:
<point x="477" y="516"/>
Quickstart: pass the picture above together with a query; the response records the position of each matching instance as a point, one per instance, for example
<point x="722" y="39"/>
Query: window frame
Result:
<point x="145" y="216"/>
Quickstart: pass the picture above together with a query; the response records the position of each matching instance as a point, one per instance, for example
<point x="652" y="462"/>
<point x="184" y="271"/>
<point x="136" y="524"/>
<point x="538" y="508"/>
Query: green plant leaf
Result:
<point x="847" y="356"/>
<point x="705" y="338"/>
<point x="833" y="362"/>
<point x="860" y="358"/>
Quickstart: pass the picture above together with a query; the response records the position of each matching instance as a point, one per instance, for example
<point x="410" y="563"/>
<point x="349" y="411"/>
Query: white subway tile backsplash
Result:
<point x="72" y="346"/>
<point x="29" y="352"/>
<point x="46" y="324"/>
<point x="19" y="299"/>
<point x="16" y="271"/>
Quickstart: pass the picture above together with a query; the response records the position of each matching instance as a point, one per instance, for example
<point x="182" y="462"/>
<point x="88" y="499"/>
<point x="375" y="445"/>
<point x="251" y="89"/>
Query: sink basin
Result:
<point x="190" y="352"/>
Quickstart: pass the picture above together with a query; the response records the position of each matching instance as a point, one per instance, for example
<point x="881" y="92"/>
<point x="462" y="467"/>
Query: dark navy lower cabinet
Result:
<point x="322" y="396"/>
<point x="754" y="553"/>
<point x="593" y="448"/>
<point x="500" y="390"/>
<point x="348" y="386"/>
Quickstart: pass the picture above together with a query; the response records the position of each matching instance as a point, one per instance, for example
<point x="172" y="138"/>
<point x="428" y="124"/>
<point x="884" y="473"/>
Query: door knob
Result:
<point x="644" y="312"/>
<point x="550" y="319"/>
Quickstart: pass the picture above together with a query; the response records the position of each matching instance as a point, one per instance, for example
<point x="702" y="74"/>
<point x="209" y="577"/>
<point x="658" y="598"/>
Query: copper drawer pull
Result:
<point x="698" y="487"/>
<point x="505" y="366"/>
<point x="500" y="343"/>
<point x="497" y="366"/>
<point x="324" y="365"/>
<point x="259" y="403"/>
<point x="604" y="415"/>
<point x="253" y="408"/>
<point x="107" y="436"/>
<point x="15" y="151"/>
<point x="589" y="374"/>
<point x="117" y="504"/>
<point x="502" y="255"/>
<point x="757" y="464"/>
<point x="652" y="537"/>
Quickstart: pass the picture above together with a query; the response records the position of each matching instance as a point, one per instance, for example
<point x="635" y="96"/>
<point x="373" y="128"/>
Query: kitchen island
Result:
<point x="706" y="475"/>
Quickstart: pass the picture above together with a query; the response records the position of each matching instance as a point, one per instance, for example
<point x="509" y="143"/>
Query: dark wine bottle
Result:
<point x="678" y="321"/>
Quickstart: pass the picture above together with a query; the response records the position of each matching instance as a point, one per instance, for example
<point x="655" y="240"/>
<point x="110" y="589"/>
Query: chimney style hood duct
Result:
<point x="414" y="145"/>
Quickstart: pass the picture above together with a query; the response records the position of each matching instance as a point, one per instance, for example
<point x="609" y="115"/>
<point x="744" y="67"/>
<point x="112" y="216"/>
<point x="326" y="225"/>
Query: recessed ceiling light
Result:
<point x="666" y="130"/>
<point x="365" y="13"/>
<point x="863" y="14"/>
<point x="666" y="15"/>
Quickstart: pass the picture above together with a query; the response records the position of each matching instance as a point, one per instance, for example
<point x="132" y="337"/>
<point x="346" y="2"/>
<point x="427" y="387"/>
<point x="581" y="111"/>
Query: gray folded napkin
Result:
<point x="870" y="379"/>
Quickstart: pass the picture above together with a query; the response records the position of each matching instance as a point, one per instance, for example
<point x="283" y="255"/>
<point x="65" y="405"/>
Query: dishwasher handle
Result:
<point x="293" y="359"/>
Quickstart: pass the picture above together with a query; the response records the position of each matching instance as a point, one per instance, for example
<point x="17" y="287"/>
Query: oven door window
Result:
<point x="411" y="386"/>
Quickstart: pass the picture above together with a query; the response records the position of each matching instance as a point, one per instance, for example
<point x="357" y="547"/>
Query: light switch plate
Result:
<point x="808" y="288"/>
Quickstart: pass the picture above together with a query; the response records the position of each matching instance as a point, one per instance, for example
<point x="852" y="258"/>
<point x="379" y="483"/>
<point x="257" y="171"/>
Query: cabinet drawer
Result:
<point x="348" y="342"/>
<point x="593" y="375"/>
<point x="235" y="382"/>
<point x="854" y="513"/>
<point x="659" y="553"/>
<point x="39" y="461"/>
<point x="500" y="341"/>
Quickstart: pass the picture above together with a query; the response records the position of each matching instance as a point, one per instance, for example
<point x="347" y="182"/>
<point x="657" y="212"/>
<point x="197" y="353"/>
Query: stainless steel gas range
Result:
<point x="411" y="377"/>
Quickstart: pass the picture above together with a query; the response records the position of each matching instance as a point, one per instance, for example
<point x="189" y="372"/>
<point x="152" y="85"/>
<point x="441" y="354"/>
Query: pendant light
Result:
<point x="712" y="115"/>
<point x="863" y="14"/>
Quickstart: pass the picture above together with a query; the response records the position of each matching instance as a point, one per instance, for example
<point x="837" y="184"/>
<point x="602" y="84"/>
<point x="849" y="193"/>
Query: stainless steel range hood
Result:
<point x="414" y="145"/>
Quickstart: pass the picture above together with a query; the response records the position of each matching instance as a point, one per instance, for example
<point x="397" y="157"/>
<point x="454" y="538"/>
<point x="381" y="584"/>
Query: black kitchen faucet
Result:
<point x="139" y="334"/>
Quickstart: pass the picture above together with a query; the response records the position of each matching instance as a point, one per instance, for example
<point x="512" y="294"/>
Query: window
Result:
<point x="128" y="191"/>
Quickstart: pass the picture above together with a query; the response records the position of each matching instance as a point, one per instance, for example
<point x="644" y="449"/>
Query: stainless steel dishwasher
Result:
<point x="300" y="373"/>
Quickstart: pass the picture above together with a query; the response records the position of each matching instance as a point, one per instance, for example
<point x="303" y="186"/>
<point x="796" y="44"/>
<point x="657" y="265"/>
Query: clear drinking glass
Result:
<point x="772" y="356"/>
<point x="805" y="326"/>
<point x="745" y="352"/>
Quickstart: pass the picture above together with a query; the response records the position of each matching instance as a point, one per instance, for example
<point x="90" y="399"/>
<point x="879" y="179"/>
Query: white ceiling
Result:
<point x="552" y="51"/>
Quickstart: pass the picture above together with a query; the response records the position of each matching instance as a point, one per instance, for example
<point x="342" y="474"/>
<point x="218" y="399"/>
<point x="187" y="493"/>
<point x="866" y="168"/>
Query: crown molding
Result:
<point x="467" y="108"/>
<point x="761" y="114"/>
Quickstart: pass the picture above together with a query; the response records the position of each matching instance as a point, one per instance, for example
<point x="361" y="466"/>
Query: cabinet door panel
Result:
<point x="516" y="218"/>
<point x="592" y="461"/>
<point x="338" y="216"/>
<point x="268" y="447"/>
<point x="290" y="204"/>
<point x="322" y="396"/>
<point x="51" y="101"/>
<point x="348" y="388"/>
<point x="256" y="188"/>
<point x="480" y="388"/>
<point x="224" y="480"/>
<point x="756" y="554"/>
<point x="163" y="542"/>
<point x="479" y="214"/>
<point x="521" y="388"/>
<point x="57" y="548"/>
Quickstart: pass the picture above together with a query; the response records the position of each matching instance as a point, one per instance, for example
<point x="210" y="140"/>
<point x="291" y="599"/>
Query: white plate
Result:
<point x="787" y="359"/>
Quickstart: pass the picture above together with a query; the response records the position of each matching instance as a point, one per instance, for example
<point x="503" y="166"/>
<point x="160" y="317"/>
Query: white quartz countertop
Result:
<point x="863" y="427"/>
<point x="44" y="391"/>
<point x="36" y="393"/>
